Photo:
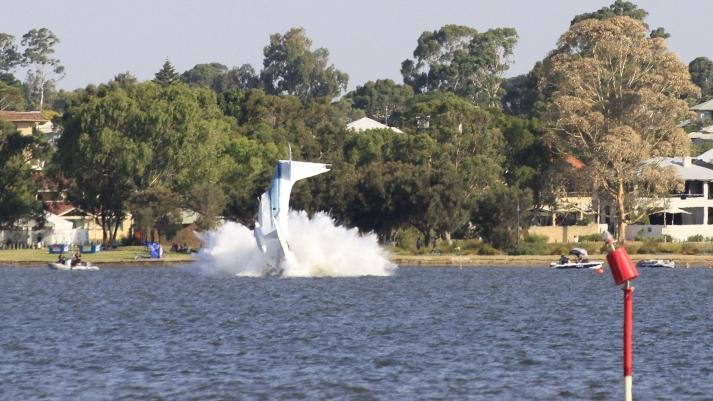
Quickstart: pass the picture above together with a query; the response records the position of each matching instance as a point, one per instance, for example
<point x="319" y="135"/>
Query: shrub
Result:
<point x="559" y="249"/>
<point x="487" y="249"/>
<point x="591" y="238"/>
<point x="696" y="238"/>
<point x="690" y="249"/>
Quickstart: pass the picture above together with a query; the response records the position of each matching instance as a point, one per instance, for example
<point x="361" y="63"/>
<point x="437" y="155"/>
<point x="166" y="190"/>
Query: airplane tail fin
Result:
<point x="300" y="170"/>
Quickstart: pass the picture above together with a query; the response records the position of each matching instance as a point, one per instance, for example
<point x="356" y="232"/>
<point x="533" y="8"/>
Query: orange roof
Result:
<point x="59" y="208"/>
<point x="22" y="116"/>
<point x="574" y="162"/>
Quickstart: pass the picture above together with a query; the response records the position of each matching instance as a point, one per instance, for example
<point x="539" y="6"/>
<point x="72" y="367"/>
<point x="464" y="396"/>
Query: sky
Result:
<point x="368" y="39"/>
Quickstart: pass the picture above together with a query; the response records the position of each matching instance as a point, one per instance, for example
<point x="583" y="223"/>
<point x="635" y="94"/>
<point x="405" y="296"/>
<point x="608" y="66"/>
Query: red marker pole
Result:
<point x="623" y="270"/>
<point x="628" y="339"/>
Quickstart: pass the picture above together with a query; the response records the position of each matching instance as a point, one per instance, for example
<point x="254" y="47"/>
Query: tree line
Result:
<point x="478" y="152"/>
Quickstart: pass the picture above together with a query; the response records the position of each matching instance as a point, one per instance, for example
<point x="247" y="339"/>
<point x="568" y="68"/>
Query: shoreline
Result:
<point x="529" y="261"/>
<point x="534" y="261"/>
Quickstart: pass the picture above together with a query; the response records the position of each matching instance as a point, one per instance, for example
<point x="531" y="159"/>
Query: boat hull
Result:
<point x="656" y="264"/>
<point x="83" y="267"/>
<point x="581" y="265"/>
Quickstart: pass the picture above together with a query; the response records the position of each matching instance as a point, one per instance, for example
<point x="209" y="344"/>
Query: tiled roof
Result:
<point x="59" y="208"/>
<point x="574" y="162"/>
<point x="703" y="106"/>
<point x="22" y="116"/>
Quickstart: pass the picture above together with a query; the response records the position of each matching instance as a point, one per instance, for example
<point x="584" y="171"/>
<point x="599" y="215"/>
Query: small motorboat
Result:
<point x="580" y="261"/>
<point x="577" y="265"/>
<point x="66" y="266"/>
<point x="663" y="263"/>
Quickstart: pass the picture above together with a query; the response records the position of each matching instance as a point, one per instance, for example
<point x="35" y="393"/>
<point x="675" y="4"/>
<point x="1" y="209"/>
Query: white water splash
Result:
<point x="321" y="247"/>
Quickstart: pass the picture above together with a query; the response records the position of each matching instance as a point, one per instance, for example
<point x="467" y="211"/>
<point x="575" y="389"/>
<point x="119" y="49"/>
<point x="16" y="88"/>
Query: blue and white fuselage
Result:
<point x="271" y="226"/>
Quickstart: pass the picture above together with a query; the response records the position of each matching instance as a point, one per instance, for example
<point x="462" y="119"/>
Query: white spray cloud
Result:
<point x="321" y="247"/>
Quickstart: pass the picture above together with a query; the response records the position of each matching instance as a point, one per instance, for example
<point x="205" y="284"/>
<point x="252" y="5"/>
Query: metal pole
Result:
<point x="628" y="339"/>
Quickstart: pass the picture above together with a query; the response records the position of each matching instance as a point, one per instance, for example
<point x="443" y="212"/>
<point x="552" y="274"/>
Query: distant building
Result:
<point x="25" y="121"/>
<point x="686" y="213"/>
<point x="704" y="111"/>
<point x="366" y="123"/>
<point x="704" y="135"/>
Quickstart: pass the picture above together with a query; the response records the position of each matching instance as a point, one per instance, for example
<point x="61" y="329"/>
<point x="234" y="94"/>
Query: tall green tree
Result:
<point x="237" y="78"/>
<point x="382" y="100"/>
<point x="10" y="56"/>
<point x="462" y="60"/>
<point x="11" y="93"/>
<point x="167" y="74"/>
<point x="204" y="74"/>
<point x="701" y="70"/>
<point x="117" y="141"/>
<point x="622" y="8"/>
<point x="468" y="160"/>
<point x="18" y="197"/>
<point x="291" y="67"/>
<point x="617" y="9"/>
<point x="45" y="69"/>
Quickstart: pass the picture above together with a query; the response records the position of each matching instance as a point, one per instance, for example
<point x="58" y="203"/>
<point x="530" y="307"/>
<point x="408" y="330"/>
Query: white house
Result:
<point x="689" y="212"/>
<point x="705" y="135"/>
<point x="704" y="111"/>
<point x="366" y="123"/>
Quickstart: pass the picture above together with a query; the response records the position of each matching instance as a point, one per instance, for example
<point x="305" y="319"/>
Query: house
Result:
<point x="687" y="213"/>
<point x="24" y="121"/>
<point x="703" y="136"/>
<point x="366" y="123"/>
<point x="704" y="111"/>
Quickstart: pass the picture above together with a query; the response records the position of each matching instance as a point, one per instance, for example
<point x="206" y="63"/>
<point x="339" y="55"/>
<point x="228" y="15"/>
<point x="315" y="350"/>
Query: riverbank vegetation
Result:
<point x="476" y="154"/>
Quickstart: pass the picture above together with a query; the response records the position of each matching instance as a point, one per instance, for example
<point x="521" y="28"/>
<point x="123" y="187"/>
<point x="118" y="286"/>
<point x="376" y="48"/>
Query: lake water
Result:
<point x="129" y="333"/>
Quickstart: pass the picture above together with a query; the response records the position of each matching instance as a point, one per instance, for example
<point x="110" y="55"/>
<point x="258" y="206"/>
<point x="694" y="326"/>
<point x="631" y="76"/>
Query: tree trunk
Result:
<point x="104" y="230"/>
<point x="621" y="224"/>
<point x="116" y="229"/>
<point x="447" y="237"/>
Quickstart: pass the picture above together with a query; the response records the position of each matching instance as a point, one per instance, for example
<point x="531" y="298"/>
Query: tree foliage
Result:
<point x="45" y="69"/>
<point x="18" y="195"/>
<point x="10" y="56"/>
<point x="462" y="60"/>
<point x="292" y="68"/>
<point x="616" y="101"/>
<point x="167" y="74"/>
<point x="701" y="70"/>
<point x="382" y="100"/>
<point x="117" y="141"/>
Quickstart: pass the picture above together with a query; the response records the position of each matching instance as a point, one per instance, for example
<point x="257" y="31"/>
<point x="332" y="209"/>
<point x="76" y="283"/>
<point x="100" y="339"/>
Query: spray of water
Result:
<point x="321" y="247"/>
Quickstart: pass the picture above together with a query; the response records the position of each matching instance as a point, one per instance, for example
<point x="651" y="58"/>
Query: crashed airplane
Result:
<point x="271" y="226"/>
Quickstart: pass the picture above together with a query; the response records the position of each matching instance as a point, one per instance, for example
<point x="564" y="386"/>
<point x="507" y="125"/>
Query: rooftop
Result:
<point x="366" y="123"/>
<point x="697" y="169"/>
<point x="705" y="106"/>
<point x="22" y="116"/>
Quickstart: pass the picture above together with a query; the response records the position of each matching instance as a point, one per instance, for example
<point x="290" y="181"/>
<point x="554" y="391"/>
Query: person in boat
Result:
<point x="77" y="259"/>
<point x="564" y="260"/>
<point x="61" y="259"/>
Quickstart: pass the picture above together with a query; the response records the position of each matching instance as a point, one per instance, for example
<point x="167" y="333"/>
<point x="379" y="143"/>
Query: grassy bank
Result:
<point x="126" y="254"/>
<point x="129" y="254"/>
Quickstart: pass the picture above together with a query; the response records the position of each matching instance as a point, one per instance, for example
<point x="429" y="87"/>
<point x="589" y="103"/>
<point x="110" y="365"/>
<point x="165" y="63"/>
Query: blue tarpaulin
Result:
<point x="154" y="250"/>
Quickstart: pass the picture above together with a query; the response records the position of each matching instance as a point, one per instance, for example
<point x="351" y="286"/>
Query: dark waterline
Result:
<point x="422" y="334"/>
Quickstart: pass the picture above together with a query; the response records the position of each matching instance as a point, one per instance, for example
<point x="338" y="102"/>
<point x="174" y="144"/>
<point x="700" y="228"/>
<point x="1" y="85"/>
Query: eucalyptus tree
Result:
<point x="127" y="146"/>
<point x="18" y="197"/>
<point x="291" y="67"/>
<point x="38" y="55"/>
<point x="468" y="160"/>
<point x="617" y="100"/>
<point x="462" y="60"/>
<point x="10" y="56"/>
<point x="701" y="70"/>
<point x="382" y="99"/>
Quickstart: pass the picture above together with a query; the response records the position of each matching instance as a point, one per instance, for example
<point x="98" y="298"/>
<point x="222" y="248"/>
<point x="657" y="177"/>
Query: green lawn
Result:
<point x="122" y="254"/>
